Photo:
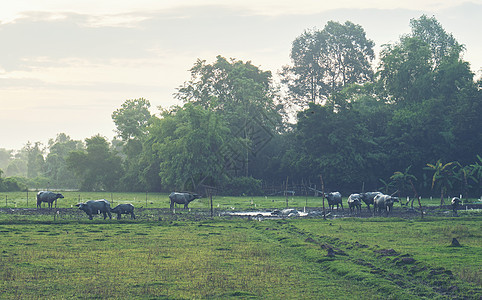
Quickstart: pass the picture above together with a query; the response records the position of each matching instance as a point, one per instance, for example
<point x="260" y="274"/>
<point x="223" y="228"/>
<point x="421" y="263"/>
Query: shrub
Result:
<point x="242" y="186"/>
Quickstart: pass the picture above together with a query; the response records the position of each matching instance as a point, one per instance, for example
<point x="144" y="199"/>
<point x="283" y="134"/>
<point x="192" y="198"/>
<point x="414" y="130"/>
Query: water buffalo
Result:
<point x="124" y="209"/>
<point x="94" y="207"/>
<point x="368" y="198"/>
<point x="383" y="202"/>
<point x="455" y="204"/>
<point x="354" y="203"/>
<point x="182" y="198"/>
<point x="334" y="198"/>
<point x="47" y="196"/>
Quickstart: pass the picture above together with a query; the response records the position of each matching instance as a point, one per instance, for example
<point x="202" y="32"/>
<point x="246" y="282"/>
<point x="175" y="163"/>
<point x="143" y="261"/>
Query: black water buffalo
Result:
<point x="354" y="203"/>
<point x="383" y="202"/>
<point x="455" y="204"/>
<point x="94" y="207"/>
<point x="124" y="209"/>
<point x="334" y="198"/>
<point x="47" y="196"/>
<point x="368" y="198"/>
<point x="182" y="198"/>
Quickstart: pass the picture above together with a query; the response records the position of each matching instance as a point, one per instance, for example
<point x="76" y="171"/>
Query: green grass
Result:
<point x="180" y="257"/>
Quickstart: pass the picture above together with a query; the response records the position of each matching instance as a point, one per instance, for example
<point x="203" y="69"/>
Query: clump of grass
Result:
<point x="470" y="275"/>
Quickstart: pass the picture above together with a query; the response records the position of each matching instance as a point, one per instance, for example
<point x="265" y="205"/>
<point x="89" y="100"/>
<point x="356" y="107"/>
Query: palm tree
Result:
<point x="404" y="180"/>
<point x="386" y="186"/>
<point x="476" y="171"/>
<point x="464" y="174"/>
<point x="443" y="174"/>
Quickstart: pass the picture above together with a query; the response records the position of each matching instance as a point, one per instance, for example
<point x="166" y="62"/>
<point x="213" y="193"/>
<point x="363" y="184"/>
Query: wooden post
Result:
<point x="420" y="204"/>
<point x="416" y="196"/>
<point x="6" y="200"/>
<point x="211" y="200"/>
<point x="27" y="198"/>
<point x="146" y="199"/>
<point x="323" y="195"/>
<point x="286" y="191"/>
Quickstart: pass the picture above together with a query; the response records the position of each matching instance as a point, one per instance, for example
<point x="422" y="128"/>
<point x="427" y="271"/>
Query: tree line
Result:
<point x="408" y="122"/>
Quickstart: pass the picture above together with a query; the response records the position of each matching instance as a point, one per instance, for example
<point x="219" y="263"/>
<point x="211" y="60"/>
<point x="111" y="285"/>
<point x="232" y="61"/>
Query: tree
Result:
<point x="131" y="121"/>
<point x="335" y="144"/>
<point x="441" y="43"/>
<point x="35" y="159"/>
<point x="326" y="61"/>
<point x="443" y="175"/>
<point x="465" y="174"/>
<point x="403" y="181"/>
<point x="132" y="118"/>
<point x="96" y="166"/>
<point x="5" y="157"/>
<point x="55" y="163"/>
<point x="244" y="96"/>
<point x="423" y="64"/>
<point x="476" y="171"/>
<point x="404" y="73"/>
<point x="190" y="143"/>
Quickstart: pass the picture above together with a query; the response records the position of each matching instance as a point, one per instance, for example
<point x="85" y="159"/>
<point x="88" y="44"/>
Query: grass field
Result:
<point x="188" y="255"/>
<point x="177" y="257"/>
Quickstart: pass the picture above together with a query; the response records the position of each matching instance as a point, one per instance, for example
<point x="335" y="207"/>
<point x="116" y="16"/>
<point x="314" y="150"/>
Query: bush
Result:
<point x="242" y="186"/>
<point x="11" y="184"/>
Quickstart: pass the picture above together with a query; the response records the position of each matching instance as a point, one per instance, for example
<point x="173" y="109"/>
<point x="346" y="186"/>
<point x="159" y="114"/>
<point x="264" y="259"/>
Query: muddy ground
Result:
<point x="154" y="214"/>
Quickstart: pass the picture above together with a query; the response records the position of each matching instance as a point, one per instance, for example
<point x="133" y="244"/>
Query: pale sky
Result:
<point x="66" y="65"/>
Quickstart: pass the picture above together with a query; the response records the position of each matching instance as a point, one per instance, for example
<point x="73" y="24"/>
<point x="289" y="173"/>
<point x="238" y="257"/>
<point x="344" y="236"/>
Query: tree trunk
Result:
<point x="441" y="197"/>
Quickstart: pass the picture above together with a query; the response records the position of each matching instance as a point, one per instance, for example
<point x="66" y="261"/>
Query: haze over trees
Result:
<point x="335" y="113"/>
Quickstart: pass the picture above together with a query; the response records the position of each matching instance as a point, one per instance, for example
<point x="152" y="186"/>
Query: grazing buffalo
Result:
<point x="334" y="198"/>
<point x="182" y="198"/>
<point x="94" y="207"/>
<point x="383" y="202"/>
<point x="368" y="198"/>
<point x="124" y="209"/>
<point x="455" y="204"/>
<point x="354" y="203"/>
<point x="47" y="196"/>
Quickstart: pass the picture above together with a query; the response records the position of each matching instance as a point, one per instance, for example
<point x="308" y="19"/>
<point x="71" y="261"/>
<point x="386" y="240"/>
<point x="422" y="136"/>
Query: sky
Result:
<point x="67" y="65"/>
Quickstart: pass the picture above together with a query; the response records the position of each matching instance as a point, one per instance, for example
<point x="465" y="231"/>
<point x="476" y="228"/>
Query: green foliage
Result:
<point x="326" y="61"/>
<point x="11" y="184"/>
<point x="97" y="167"/>
<point x="132" y="118"/>
<point x="241" y="186"/>
<point x="359" y="130"/>
<point x="189" y="143"/>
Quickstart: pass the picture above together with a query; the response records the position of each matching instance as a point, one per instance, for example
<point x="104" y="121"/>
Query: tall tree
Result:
<point x="326" y="61"/>
<point x="244" y="96"/>
<point x="56" y="169"/>
<point x="35" y="159"/>
<point x="96" y="166"/>
<point x="132" y="118"/>
<point x="190" y="143"/>
<point x="441" y="43"/>
<point x="443" y="175"/>
<point x="131" y="122"/>
<point x="405" y="72"/>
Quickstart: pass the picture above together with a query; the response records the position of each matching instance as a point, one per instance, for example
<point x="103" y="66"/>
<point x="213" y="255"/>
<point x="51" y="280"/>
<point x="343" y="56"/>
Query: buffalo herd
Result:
<point x="379" y="201"/>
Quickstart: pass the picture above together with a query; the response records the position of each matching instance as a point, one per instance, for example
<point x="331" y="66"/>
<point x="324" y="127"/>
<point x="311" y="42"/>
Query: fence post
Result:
<point x="323" y="195"/>
<point x="286" y="191"/>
